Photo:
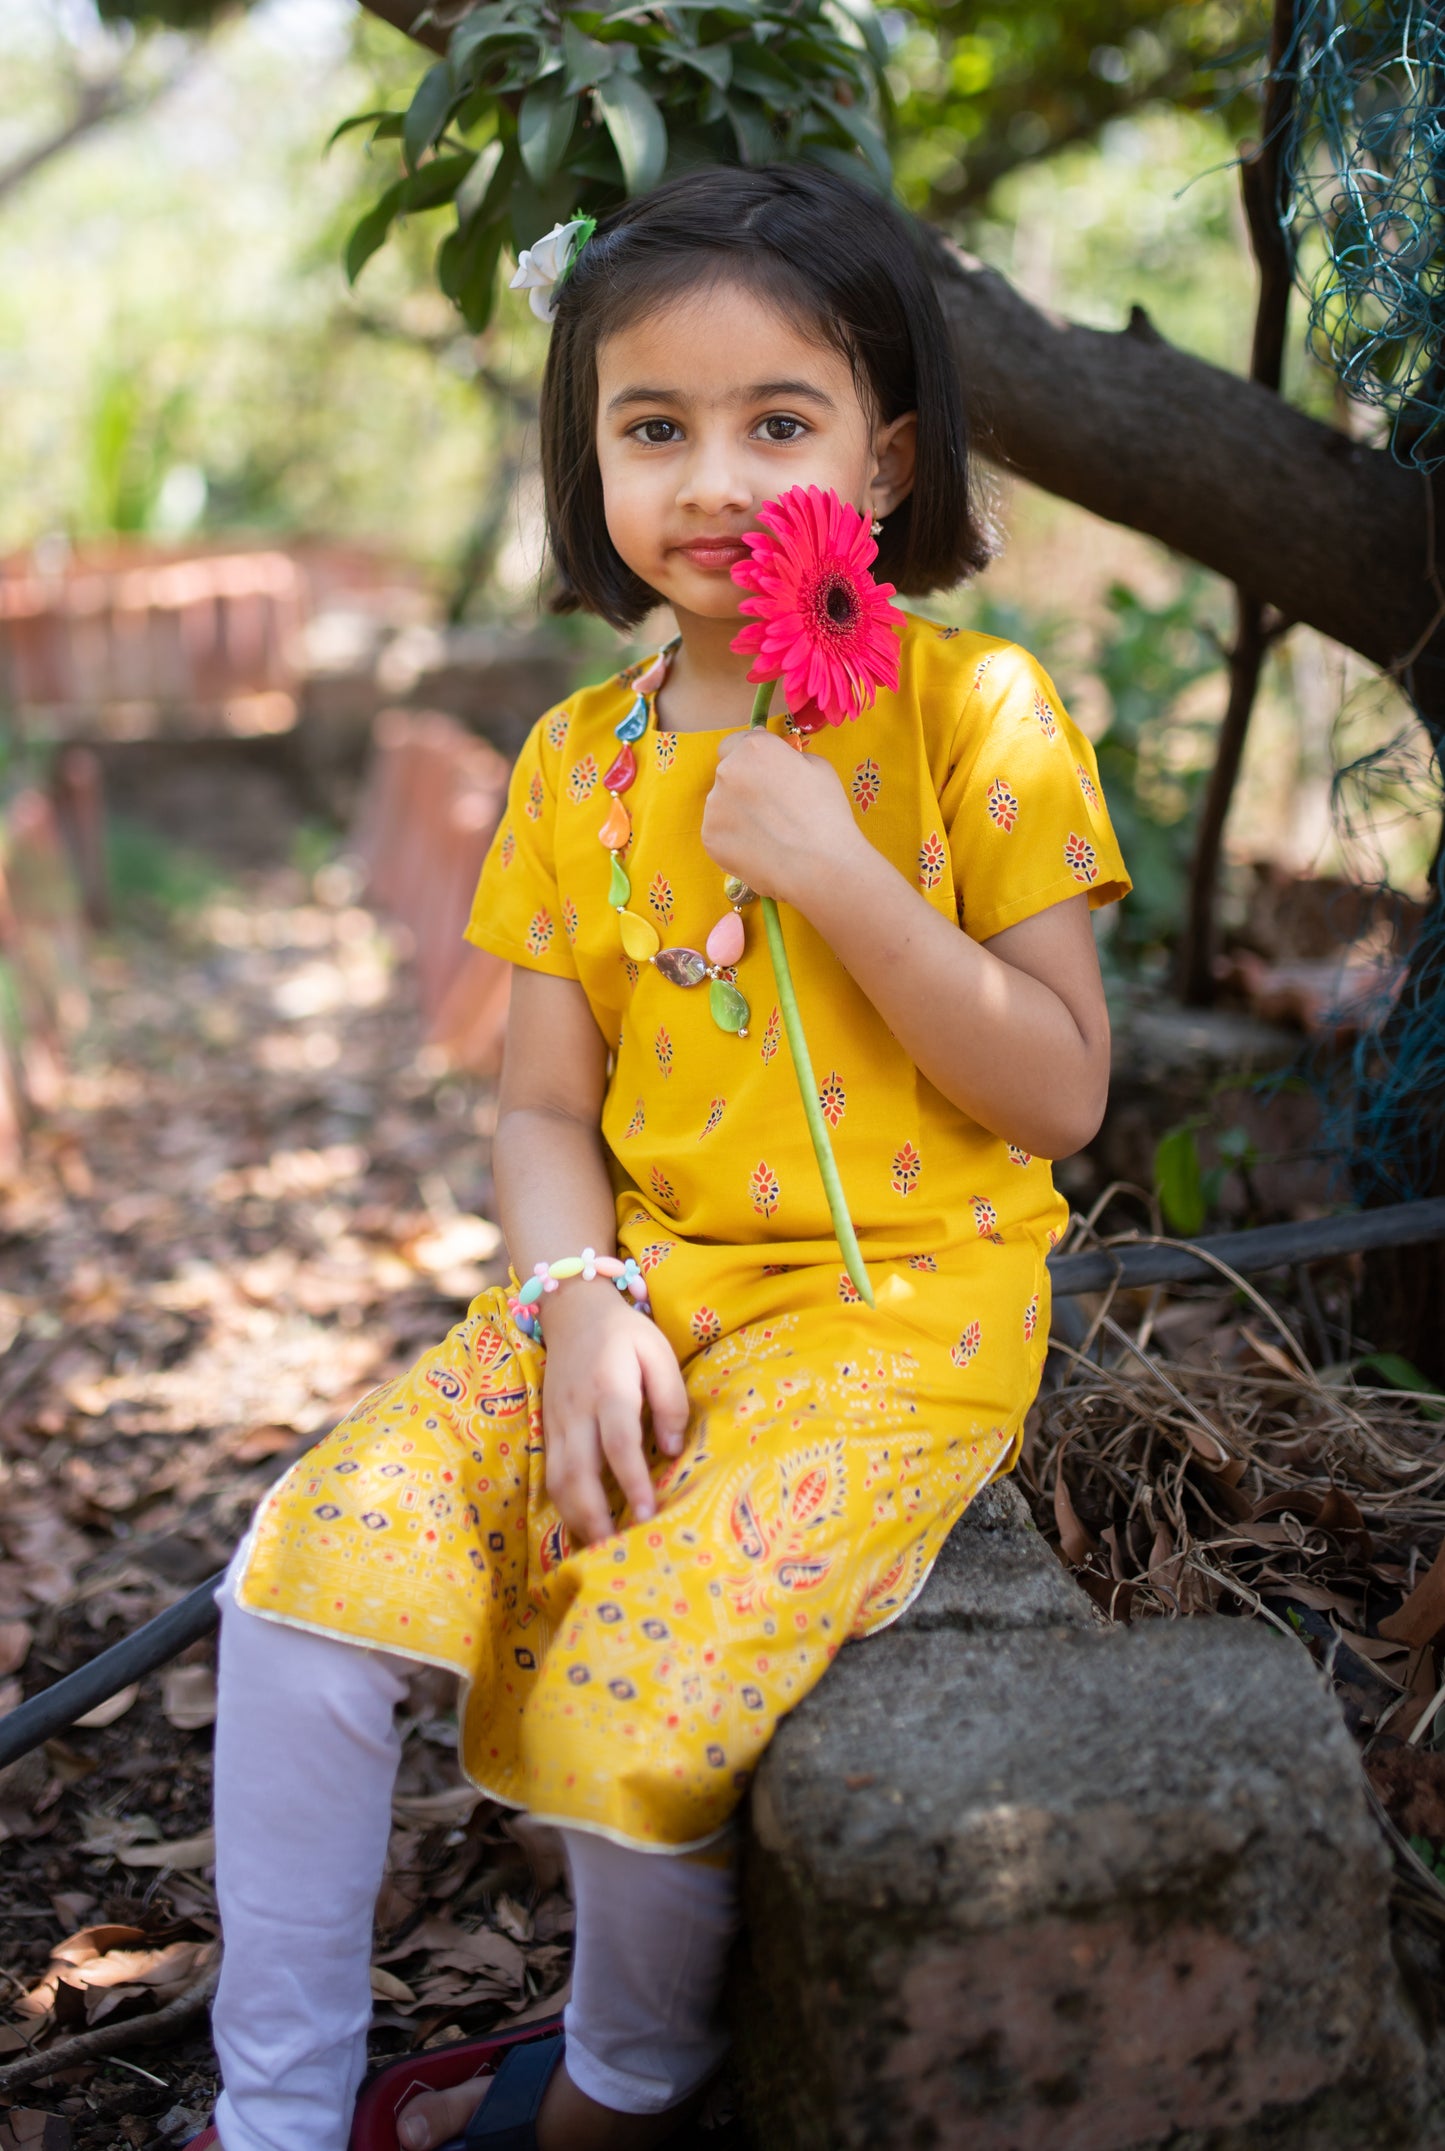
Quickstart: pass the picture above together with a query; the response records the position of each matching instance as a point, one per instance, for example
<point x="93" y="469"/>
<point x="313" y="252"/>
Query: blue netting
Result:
<point x="1362" y="203"/>
<point x="1381" y="1101"/>
<point x="1364" y="184"/>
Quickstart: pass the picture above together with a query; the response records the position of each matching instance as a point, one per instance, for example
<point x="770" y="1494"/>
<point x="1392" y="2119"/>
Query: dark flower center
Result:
<point x="833" y="604"/>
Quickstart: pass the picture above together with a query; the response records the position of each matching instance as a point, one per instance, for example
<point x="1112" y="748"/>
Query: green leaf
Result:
<point x="467" y="271"/>
<point x="361" y="119"/>
<point x="754" y="136"/>
<point x="714" y="61"/>
<point x="762" y="74"/>
<point x="834" y="159"/>
<point x="856" y="123"/>
<point x="1178" y="1181"/>
<point x="428" y="112"/>
<point x="588" y="62"/>
<point x="370" y="231"/>
<point x="474" y="193"/>
<point x="476" y="30"/>
<point x="436" y="182"/>
<point x="544" y="128"/>
<point x="1402" y="1373"/>
<point x="866" y="17"/>
<point x="636" y="127"/>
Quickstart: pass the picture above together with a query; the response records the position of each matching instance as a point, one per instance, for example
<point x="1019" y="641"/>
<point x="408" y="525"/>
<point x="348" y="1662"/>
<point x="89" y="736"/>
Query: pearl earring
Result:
<point x="877" y="526"/>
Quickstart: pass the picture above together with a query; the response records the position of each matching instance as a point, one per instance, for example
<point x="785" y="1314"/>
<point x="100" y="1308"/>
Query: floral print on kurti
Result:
<point x="630" y="1687"/>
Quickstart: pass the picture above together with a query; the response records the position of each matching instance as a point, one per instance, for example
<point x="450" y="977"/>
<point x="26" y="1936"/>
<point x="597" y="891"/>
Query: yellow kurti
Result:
<point x="630" y="1688"/>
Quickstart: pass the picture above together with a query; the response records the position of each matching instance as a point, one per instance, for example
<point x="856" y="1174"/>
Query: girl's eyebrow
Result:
<point x="760" y="392"/>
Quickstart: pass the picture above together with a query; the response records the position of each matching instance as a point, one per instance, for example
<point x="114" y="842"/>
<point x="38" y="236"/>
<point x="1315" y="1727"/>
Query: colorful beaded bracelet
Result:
<point x="548" y="1275"/>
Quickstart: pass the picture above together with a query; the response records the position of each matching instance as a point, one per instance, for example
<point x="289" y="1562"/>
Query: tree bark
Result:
<point x="1327" y="531"/>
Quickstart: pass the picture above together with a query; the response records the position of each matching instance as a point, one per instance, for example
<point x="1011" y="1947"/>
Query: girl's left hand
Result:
<point x="773" y="813"/>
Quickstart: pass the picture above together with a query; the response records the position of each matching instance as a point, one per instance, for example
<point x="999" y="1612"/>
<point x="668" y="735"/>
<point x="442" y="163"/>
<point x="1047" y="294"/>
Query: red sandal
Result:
<point x="440" y="2068"/>
<point x="437" y="2068"/>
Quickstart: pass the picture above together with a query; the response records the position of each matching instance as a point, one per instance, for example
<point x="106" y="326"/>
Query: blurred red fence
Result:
<point x="128" y="640"/>
<point x="433" y="799"/>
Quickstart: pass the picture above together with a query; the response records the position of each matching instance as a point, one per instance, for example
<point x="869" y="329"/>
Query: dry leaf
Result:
<point x="90" y="1942"/>
<point x="386" y="1987"/>
<point x="14" y="1645"/>
<point x="426" y="1811"/>
<point x="25" y="2129"/>
<point x="188" y="1697"/>
<point x="186" y="1852"/>
<point x="545" y="2005"/>
<point x="109" y="1833"/>
<point x="115" y="1706"/>
<point x="255" y="1446"/>
<point x="1273" y="1356"/>
<point x="513" y="1919"/>
<point x="1422" y="1616"/>
<point x="1077" y="1542"/>
<point x="466" y="1949"/>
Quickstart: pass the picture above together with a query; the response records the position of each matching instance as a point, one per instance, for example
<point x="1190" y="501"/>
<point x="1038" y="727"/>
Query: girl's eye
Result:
<point x="657" y="431"/>
<point x="794" y="428"/>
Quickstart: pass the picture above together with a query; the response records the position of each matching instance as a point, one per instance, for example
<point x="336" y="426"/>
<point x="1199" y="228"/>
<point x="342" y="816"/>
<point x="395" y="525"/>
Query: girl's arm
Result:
<point x="1015" y="1031"/>
<point x="604" y="1360"/>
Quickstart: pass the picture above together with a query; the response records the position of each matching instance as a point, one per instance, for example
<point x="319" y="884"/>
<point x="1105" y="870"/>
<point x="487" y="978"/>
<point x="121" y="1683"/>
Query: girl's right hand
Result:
<point x="604" y="1360"/>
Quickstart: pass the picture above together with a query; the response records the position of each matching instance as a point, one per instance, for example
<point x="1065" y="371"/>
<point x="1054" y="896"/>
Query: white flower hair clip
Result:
<point x="544" y="267"/>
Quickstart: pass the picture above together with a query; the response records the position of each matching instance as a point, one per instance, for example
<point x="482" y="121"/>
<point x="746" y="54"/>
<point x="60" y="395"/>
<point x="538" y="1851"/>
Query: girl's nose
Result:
<point x="714" y="482"/>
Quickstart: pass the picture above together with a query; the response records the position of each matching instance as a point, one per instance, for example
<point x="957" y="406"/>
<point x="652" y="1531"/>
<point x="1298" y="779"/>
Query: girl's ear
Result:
<point x="895" y="447"/>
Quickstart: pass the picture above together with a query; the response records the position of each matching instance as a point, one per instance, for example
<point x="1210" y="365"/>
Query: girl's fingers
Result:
<point x="619" y="1424"/>
<point x="574" y="1480"/>
<point x="666" y="1391"/>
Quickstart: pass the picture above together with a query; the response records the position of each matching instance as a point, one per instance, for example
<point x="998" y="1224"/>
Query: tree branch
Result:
<point x="1328" y="531"/>
<point x="97" y="103"/>
<point x="156" y="2029"/>
<point x="406" y="16"/>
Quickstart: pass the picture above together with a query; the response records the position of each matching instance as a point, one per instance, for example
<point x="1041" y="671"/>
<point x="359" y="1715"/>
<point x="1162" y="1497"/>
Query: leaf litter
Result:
<point x="254" y="1200"/>
<point x="1219" y="1451"/>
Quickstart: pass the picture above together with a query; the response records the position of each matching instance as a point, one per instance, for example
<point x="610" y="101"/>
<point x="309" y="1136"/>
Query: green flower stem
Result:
<point x="803" y="1069"/>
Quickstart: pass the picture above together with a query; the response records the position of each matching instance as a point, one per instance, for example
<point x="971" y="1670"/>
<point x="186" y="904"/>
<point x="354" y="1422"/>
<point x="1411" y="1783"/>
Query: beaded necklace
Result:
<point x="723" y="949"/>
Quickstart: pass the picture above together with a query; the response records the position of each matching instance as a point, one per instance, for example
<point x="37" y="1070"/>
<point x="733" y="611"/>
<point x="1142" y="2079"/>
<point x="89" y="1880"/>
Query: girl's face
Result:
<point x="711" y="406"/>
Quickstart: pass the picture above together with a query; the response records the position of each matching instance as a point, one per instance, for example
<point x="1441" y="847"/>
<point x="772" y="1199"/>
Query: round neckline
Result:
<point x="659" y="731"/>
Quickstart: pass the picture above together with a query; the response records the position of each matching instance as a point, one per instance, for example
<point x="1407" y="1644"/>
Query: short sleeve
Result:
<point x="1023" y="807"/>
<point x="517" y="912"/>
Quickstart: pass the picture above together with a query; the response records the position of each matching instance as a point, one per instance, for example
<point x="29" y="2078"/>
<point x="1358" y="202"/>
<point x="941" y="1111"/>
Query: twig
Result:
<point x="1232" y="1583"/>
<point x="1226" y="1454"/>
<point x="109" y="2039"/>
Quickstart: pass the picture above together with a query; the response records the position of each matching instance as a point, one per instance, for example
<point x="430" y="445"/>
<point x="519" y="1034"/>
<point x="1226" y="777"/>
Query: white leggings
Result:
<point x="306" y="1754"/>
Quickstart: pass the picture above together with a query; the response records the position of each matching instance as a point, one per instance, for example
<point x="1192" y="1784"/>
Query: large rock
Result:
<point x="1016" y="1882"/>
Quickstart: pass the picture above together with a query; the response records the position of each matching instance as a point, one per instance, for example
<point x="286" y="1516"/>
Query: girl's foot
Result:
<point x="569" y="2120"/>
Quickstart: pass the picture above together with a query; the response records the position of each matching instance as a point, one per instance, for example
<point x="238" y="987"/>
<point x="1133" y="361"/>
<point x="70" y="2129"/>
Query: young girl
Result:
<point x="641" y="1541"/>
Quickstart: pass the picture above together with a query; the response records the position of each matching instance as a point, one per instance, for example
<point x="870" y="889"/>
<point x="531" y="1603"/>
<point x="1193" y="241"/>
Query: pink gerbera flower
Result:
<point x="819" y="621"/>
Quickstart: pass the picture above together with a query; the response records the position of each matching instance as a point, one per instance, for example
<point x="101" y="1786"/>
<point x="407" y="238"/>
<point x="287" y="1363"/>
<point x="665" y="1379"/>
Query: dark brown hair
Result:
<point x="846" y="267"/>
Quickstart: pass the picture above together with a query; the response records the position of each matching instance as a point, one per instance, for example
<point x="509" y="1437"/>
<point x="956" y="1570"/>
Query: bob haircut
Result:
<point x="846" y="267"/>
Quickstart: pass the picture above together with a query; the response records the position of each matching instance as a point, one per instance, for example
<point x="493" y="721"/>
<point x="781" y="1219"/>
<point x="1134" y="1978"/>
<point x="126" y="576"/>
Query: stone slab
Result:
<point x="996" y="1573"/>
<point x="1014" y="1883"/>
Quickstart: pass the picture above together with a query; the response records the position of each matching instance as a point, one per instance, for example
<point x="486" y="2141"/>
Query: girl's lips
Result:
<point x="714" y="552"/>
